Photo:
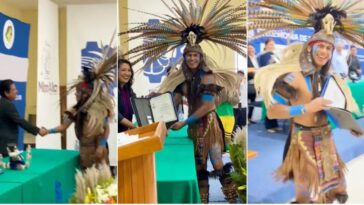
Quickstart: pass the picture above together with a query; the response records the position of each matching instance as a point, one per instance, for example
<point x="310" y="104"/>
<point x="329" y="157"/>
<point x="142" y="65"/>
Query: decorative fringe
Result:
<point x="209" y="130"/>
<point x="299" y="162"/>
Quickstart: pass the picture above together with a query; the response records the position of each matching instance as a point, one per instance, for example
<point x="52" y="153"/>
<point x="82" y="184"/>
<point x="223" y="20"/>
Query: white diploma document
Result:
<point x="163" y="108"/>
<point x="331" y="91"/>
<point x="124" y="139"/>
<point x="336" y="111"/>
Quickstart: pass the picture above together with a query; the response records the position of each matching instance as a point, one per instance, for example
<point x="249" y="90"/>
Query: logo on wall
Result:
<point x="45" y="83"/>
<point x="8" y="34"/>
<point x="156" y="70"/>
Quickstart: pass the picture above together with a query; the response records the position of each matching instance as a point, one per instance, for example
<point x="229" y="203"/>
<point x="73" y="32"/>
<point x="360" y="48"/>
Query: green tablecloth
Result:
<point x="357" y="91"/>
<point x="49" y="179"/>
<point x="176" y="173"/>
<point x="10" y="192"/>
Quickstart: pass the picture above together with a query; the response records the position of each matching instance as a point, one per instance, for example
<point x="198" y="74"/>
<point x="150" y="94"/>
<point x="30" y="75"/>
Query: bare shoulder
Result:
<point x="294" y="79"/>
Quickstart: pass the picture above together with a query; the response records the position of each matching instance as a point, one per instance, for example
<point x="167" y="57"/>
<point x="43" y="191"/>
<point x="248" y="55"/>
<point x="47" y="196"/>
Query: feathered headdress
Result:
<point x="215" y="22"/>
<point x="324" y="16"/>
<point x="222" y="24"/>
<point x="292" y="14"/>
<point x="97" y="79"/>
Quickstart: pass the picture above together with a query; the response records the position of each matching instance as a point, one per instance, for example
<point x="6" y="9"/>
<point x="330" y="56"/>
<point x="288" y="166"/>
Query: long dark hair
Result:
<point x="130" y="83"/>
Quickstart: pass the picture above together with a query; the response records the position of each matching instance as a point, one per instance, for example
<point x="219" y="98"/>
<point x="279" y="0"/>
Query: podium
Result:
<point x="136" y="165"/>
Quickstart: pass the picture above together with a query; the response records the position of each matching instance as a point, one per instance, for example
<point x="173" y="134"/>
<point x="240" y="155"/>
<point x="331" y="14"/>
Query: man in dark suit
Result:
<point x="10" y="119"/>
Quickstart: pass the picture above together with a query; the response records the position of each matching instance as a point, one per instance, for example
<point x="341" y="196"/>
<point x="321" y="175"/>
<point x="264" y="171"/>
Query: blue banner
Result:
<point x="285" y="37"/>
<point x="15" y="36"/>
<point x="14" y="45"/>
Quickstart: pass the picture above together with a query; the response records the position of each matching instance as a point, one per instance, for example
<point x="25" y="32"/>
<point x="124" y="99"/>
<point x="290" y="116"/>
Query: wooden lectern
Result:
<point x="136" y="165"/>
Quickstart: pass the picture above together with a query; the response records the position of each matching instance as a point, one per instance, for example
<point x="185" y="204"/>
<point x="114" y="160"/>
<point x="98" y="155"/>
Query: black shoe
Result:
<point x="252" y="122"/>
<point x="341" y="198"/>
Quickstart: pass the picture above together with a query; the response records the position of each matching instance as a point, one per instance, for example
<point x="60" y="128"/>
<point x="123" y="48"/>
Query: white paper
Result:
<point x="163" y="108"/>
<point x="333" y="93"/>
<point x="124" y="139"/>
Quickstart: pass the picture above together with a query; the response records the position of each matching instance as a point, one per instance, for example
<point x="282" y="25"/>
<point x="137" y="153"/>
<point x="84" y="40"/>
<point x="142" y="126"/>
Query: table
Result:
<point x="49" y="179"/>
<point x="175" y="167"/>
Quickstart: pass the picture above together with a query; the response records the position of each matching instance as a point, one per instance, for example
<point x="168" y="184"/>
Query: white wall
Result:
<point x="94" y="22"/>
<point x="48" y="107"/>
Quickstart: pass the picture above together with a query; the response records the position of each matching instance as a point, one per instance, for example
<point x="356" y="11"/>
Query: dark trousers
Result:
<point x="270" y="124"/>
<point x="251" y="96"/>
<point x="240" y="116"/>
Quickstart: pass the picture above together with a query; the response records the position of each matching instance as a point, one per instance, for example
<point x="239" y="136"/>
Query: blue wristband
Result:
<point x="207" y="98"/>
<point x="296" y="110"/>
<point x="191" y="119"/>
<point x="52" y="131"/>
<point x="103" y="142"/>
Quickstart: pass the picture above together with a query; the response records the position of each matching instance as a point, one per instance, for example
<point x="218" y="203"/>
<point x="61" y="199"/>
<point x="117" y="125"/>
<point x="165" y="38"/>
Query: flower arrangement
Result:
<point x="95" y="185"/>
<point x="238" y="159"/>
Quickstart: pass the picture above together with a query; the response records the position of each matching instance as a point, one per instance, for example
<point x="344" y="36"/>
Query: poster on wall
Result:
<point x="92" y="27"/>
<point x="283" y="38"/>
<point x="14" y="44"/>
<point x="48" y="101"/>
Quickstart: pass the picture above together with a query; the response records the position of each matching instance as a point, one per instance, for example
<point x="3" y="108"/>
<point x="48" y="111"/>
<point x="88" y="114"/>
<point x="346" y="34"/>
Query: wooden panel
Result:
<point x="121" y="183"/>
<point x="138" y="179"/>
<point x="136" y="170"/>
<point x="145" y="145"/>
<point x="150" y="177"/>
<point x="151" y="139"/>
<point x="125" y="182"/>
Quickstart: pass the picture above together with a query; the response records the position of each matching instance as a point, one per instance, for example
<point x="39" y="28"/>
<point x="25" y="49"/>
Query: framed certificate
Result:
<point x="343" y="119"/>
<point x="336" y="111"/>
<point x="332" y="91"/>
<point x="155" y="109"/>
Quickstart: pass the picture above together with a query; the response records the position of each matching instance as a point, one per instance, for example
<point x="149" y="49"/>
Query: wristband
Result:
<point x="52" y="131"/>
<point x="103" y="142"/>
<point x="191" y="119"/>
<point x="296" y="110"/>
<point x="207" y="98"/>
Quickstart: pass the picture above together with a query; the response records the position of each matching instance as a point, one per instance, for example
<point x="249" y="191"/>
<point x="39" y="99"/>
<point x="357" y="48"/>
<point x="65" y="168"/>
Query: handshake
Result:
<point x="43" y="131"/>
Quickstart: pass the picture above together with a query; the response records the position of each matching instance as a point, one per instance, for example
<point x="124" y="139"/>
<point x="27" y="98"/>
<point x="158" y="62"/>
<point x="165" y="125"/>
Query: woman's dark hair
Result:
<point x="241" y="72"/>
<point x="130" y="83"/>
<point x="268" y="40"/>
<point x="5" y="86"/>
